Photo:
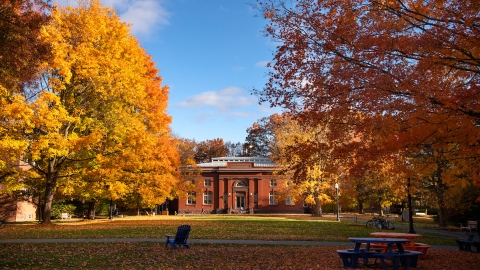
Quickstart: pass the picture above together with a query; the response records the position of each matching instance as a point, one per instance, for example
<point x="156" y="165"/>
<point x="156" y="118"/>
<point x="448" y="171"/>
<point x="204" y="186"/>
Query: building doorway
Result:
<point x="240" y="201"/>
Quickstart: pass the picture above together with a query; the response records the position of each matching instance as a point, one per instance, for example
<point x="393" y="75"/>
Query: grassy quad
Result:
<point x="150" y="255"/>
<point x="252" y="227"/>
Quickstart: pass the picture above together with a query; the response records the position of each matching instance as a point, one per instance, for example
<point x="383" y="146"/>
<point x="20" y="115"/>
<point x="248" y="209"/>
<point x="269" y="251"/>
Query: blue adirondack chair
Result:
<point x="180" y="238"/>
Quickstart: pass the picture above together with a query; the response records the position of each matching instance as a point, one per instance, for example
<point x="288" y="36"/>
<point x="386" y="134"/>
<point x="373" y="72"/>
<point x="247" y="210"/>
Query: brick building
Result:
<point x="230" y="184"/>
<point x="17" y="206"/>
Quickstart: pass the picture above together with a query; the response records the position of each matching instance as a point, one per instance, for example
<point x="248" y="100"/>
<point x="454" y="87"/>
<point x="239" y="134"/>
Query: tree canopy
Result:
<point x="402" y="76"/>
<point x="95" y="123"/>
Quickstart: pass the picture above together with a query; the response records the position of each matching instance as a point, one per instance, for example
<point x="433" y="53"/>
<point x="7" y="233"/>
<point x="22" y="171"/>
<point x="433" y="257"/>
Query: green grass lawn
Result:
<point x="153" y="255"/>
<point x="251" y="227"/>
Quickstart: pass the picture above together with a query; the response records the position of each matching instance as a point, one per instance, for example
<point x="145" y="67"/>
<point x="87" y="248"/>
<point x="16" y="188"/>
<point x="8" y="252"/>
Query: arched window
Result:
<point x="207" y="197"/>
<point x="240" y="184"/>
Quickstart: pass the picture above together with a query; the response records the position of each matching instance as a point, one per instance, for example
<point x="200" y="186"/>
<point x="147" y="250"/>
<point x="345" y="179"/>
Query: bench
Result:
<point x="471" y="225"/>
<point x="407" y="259"/>
<point x="466" y="245"/>
<point x="350" y="258"/>
<point x="421" y="247"/>
<point x="365" y="255"/>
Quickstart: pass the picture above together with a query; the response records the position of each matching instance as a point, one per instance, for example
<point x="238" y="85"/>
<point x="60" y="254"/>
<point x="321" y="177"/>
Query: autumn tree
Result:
<point x="97" y="123"/>
<point x="208" y="149"/>
<point x="304" y="154"/>
<point x="379" y="182"/>
<point x="21" y="51"/>
<point x="21" y="54"/>
<point x="445" y="173"/>
<point x="188" y="169"/>
<point x="260" y="136"/>
<point x="409" y="67"/>
<point x="374" y="56"/>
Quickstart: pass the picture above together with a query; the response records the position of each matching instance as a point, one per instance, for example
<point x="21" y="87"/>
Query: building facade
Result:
<point x="16" y="208"/>
<point x="235" y="185"/>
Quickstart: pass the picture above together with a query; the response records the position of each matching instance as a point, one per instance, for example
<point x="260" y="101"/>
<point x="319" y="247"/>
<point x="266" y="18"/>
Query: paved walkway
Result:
<point x="193" y="241"/>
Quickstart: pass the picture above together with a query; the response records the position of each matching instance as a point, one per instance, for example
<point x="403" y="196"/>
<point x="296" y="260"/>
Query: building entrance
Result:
<point x="240" y="201"/>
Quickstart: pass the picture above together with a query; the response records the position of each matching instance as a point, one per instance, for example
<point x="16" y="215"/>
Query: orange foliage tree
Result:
<point x="97" y="118"/>
<point x="21" y="53"/>
<point x="188" y="169"/>
<point x="409" y="68"/>
<point x="208" y="149"/>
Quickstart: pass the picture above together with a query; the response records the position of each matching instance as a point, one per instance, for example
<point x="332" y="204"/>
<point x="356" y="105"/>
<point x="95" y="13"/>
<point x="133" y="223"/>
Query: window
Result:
<point x="191" y="198"/>
<point x="207" y="183"/>
<point x="255" y="199"/>
<point x="273" y="182"/>
<point x="289" y="201"/>
<point x="225" y="198"/>
<point x="207" y="197"/>
<point x="272" y="198"/>
<point x="240" y="184"/>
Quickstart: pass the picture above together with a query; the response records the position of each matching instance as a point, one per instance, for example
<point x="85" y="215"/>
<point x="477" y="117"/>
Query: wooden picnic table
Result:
<point x="407" y="246"/>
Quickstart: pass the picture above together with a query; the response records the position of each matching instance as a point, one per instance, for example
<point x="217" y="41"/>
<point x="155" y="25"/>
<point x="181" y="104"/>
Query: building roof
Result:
<point x="222" y="161"/>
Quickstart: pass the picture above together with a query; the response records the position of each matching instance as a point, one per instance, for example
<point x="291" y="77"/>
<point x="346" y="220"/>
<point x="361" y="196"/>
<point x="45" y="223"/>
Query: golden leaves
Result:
<point x="100" y="105"/>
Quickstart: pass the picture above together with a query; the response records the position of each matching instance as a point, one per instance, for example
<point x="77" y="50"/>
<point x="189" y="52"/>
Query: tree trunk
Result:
<point x="51" y="181"/>
<point x="316" y="208"/>
<point x="360" y="206"/>
<point x="441" y="213"/>
<point x="440" y="192"/>
<point x="91" y="209"/>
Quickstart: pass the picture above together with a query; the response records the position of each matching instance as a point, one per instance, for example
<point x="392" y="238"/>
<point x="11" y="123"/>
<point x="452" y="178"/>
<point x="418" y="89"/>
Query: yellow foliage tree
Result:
<point x="99" y="127"/>
<point x="304" y="152"/>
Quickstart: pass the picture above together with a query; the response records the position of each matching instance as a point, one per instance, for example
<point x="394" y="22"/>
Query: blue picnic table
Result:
<point x="396" y="253"/>
<point x="398" y="242"/>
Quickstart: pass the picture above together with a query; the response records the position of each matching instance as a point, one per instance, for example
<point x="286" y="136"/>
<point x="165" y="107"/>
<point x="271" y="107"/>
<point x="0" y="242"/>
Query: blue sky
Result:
<point x="210" y="53"/>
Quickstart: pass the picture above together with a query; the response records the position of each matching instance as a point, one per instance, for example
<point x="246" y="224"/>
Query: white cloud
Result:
<point x="142" y="15"/>
<point x="262" y="64"/>
<point x="225" y="100"/>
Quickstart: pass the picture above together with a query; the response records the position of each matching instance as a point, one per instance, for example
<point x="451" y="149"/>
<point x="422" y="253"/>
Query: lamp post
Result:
<point x="410" y="210"/>
<point x="336" y="195"/>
